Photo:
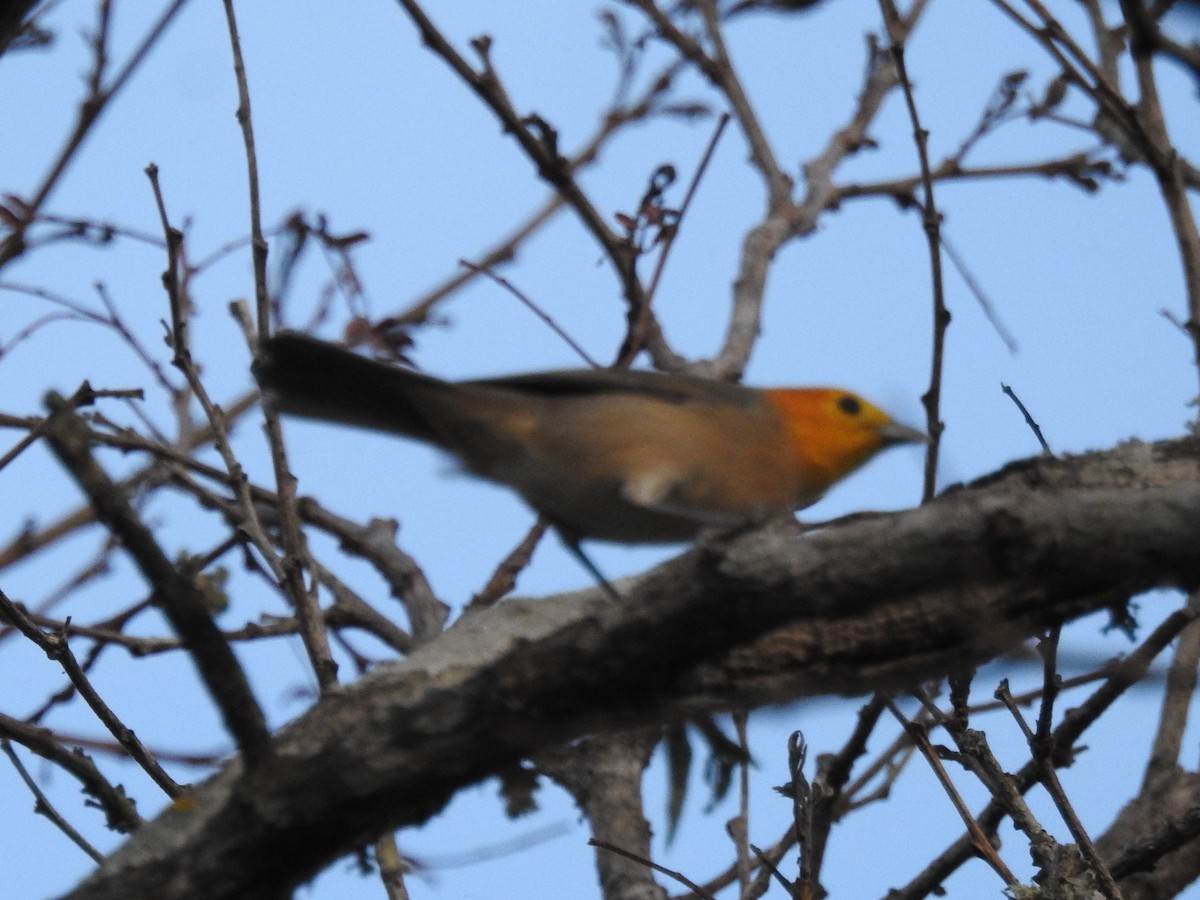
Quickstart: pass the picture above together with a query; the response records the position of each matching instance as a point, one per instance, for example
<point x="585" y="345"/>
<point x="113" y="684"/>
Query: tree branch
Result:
<point x="869" y="602"/>
<point x="174" y="592"/>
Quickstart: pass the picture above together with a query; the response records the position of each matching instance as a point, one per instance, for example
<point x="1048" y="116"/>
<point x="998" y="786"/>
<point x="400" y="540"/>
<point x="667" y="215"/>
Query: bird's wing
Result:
<point x="678" y="389"/>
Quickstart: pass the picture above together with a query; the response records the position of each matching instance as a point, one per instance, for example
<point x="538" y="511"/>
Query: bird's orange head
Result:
<point x="834" y="431"/>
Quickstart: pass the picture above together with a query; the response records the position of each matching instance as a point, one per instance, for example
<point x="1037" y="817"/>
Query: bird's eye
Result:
<point x="849" y="405"/>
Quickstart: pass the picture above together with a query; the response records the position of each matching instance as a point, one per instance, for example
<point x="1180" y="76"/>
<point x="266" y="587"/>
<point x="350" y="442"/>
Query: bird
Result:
<point x="626" y="456"/>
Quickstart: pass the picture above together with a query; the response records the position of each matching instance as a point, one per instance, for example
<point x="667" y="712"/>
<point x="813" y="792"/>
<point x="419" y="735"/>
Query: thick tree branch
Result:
<point x="868" y="602"/>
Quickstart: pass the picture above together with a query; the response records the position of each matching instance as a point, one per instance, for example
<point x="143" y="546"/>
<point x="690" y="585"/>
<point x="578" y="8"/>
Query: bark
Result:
<point x="1152" y="848"/>
<point x="604" y="775"/>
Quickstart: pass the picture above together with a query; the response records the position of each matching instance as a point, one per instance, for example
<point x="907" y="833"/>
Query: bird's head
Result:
<point x="834" y="431"/>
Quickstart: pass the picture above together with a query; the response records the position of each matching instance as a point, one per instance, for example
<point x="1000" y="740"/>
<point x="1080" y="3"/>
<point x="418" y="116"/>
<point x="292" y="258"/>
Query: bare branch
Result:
<point x="176" y="593"/>
<point x="89" y="113"/>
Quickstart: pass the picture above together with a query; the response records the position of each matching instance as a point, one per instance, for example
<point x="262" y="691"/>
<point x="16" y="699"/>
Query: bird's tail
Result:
<point x="306" y="377"/>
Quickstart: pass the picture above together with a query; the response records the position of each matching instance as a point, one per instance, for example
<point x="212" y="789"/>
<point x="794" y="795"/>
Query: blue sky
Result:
<point x="356" y="120"/>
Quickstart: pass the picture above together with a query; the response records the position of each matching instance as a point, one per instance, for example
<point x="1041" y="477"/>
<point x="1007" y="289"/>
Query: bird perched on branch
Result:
<point x="629" y="456"/>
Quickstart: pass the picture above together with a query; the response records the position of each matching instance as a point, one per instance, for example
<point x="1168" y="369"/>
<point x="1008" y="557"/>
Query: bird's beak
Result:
<point x="895" y="433"/>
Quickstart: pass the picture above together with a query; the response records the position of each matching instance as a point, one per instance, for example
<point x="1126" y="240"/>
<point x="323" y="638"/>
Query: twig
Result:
<point x="375" y="542"/>
<point x="738" y="827"/>
<point x="99" y="565"/>
<point x="537" y="140"/>
<point x="23" y="444"/>
<point x="800" y="792"/>
<point x="762" y="157"/>
<point x="1164" y="160"/>
<point x="46" y="808"/>
<point x="504" y="579"/>
<point x="763" y="240"/>
<point x="641" y="321"/>
<point x="258" y="243"/>
<point x="1080" y="169"/>
<point x="769" y="865"/>
<point x="1077" y="65"/>
<point x="663" y="870"/>
<point x="980" y="295"/>
<point x="505" y="249"/>
<point x="348" y="609"/>
<point x="1051" y="686"/>
<point x="89" y="113"/>
<point x="770" y="857"/>
<point x="1124" y="673"/>
<point x="979" y="840"/>
<point x="195" y="759"/>
<point x="289" y="571"/>
<point x="1029" y="420"/>
<point x="110" y="319"/>
<point x="287" y="574"/>
<point x="116" y="622"/>
<point x="931" y="221"/>
<point x="119" y="811"/>
<point x="57" y="648"/>
<point x="32" y="541"/>
<point x="534" y="308"/>
<point x="177" y="594"/>
<point x="1042" y="754"/>
<point x="833" y="772"/>
<point x="718" y="69"/>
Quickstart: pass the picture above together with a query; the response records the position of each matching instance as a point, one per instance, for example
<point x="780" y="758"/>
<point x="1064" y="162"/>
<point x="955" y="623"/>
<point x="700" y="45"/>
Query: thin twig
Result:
<point x="650" y="864"/>
<point x="1165" y="161"/>
<point x="980" y="295"/>
<point x="769" y="865"/>
<point x="738" y="827"/>
<point x="833" y="772"/>
<point x="120" y="813"/>
<point x="32" y="541"/>
<point x="537" y="140"/>
<point x="979" y="840"/>
<point x="1029" y="420"/>
<point x="1081" y="169"/>
<point x="89" y="113"/>
<point x="1049" y="778"/>
<point x="534" y="308"/>
<point x="931" y="223"/>
<point x="57" y="648"/>
<point x="289" y="571"/>
<point x="46" y="808"/>
<point x="640" y="326"/>
<point x="506" y="248"/>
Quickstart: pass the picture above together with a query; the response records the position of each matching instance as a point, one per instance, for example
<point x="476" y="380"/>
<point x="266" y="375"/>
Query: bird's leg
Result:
<point x="572" y="544"/>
